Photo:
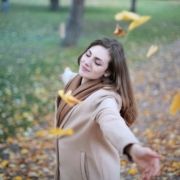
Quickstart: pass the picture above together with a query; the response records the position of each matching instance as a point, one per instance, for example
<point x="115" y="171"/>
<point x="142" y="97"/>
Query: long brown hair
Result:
<point x="119" y="79"/>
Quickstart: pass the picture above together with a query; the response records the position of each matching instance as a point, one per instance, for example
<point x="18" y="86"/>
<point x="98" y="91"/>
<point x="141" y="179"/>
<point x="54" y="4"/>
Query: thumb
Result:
<point x="153" y="154"/>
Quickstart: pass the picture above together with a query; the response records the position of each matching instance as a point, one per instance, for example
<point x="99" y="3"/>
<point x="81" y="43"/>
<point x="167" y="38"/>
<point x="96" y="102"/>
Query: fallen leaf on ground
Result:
<point x="17" y="178"/>
<point x="4" y="163"/>
<point x="132" y="171"/>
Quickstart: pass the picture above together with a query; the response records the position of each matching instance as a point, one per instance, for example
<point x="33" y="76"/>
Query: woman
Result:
<point x="100" y="123"/>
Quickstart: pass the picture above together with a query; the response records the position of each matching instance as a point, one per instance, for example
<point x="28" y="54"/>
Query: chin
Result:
<point x="84" y="76"/>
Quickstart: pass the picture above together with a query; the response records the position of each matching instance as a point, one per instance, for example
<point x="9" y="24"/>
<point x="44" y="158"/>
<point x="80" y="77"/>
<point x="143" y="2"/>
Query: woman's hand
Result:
<point x="146" y="159"/>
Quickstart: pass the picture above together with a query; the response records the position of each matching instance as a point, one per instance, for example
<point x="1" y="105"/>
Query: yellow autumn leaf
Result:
<point x="17" y="178"/>
<point x="175" y="106"/>
<point x="25" y="115"/>
<point x="40" y="133"/>
<point x="68" y="98"/>
<point x="152" y="50"/>
<point x="138" y="22"/>
<point x="24" y="151"/>
<point x="176" y="165"/>
<point x="4" y="163"/>
<point x="147" y="132"/>
<point x="126" y="15"/>
<point x="132" y="171"/>
<point x="62" y="95"/>
<point x="59" y="131"/>
<point x="10" y="139"/>
<point x="159" y="123"/>
<point x="123" y="163"/>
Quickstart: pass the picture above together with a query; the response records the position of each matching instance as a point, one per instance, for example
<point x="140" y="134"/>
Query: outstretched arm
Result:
<point x="146" y="159"/>
<point x="67" y="75"/>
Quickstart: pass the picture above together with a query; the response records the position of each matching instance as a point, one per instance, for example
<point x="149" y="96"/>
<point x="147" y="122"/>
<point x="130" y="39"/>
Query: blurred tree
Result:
<point x="133" y="5"/>
<point x="74" y="23"/>
<point x="54" y="5"/>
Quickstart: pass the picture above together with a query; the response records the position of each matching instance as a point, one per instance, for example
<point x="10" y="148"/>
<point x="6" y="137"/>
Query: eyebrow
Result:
<point x="95" y="57"/>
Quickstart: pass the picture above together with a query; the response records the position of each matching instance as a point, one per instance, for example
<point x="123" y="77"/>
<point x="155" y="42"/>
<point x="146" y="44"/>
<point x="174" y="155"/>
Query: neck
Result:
<point x="84" y="80"/>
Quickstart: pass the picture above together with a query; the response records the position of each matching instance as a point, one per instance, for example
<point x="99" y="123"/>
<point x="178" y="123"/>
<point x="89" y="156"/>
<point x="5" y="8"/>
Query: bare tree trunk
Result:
<point x="133" y="6"/>
<point x="54" y="5"/>
<point x="74" y="23"/>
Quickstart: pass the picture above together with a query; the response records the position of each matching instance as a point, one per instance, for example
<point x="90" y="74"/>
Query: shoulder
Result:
<point x="103" y="94"/>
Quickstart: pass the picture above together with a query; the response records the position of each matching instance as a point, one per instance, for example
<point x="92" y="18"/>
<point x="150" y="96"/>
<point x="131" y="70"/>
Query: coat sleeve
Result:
<point x="67" y="75"/>
<point x="114" y="129"/>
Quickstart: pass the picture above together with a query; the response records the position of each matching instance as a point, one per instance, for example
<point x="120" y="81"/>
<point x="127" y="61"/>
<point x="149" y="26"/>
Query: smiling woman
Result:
<point x="94" y="63"/>
<point x="100" y="123"/>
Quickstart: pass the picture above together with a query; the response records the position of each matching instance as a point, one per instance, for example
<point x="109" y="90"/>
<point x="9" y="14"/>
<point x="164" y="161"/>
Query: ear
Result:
<point x="107" y="74"/>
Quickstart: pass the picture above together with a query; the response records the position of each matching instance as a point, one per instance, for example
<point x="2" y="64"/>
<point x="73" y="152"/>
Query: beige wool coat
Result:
<point x="100" y="136"/>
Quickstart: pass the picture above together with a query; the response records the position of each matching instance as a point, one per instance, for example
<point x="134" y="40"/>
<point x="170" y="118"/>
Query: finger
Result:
<point x="146" y="173"/>
<point x="147" y="169"/>
<point x="156" y="167"/>
<point x="152" y="153"/>
<point x="149" y="173"/>
<point x="144" y="176"/>
<point x="60" y="76"/>
<point x="153" y="171"/>
<point x="150" y="169"/>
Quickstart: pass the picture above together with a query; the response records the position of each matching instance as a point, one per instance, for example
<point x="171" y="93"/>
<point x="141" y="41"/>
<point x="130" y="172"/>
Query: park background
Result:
<point x="32" y="57"/>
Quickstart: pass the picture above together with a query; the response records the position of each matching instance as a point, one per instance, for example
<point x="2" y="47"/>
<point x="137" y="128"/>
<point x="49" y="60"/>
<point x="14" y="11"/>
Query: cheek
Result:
<point x="99" y="70"/>
<point x="81" y="60"/>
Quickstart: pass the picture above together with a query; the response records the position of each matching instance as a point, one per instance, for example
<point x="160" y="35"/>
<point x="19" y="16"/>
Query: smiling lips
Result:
<point x="84" y="69"/>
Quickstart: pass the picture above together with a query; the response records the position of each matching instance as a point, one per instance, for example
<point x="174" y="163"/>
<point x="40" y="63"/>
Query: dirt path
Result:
<point x="155" y="84"/>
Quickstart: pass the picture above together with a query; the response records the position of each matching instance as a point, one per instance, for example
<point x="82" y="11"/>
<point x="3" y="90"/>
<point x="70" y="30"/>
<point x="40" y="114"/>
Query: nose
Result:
<point x="87" y="61"/>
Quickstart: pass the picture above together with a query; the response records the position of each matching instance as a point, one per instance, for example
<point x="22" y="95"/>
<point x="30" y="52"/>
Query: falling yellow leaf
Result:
<point x="59" y="131"/>
<point x="138" y="22"/>
<point x="152" y="50"/>
<point x="68" y="98"/>
<point x="17" y="178"/>
<point x="132" y="171"/>
<point x="4" y="163"/>
<point x="126" y="15"/>
<point x="175" y="106"/>
<point x="40" y="133"/>
<point x="119" y="31"/>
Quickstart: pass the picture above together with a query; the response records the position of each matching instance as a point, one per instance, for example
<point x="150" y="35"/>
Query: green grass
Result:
<point x="31" y="58"/>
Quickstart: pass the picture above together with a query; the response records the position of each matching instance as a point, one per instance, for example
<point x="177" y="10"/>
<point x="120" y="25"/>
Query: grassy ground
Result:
<point x="31" y="58"/>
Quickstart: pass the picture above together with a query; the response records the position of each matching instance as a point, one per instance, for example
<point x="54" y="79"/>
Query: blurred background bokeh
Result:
<point x="34" y="52"/>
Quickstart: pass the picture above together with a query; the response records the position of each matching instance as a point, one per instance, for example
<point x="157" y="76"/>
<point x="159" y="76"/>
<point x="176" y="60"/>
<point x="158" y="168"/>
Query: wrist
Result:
<point x="133" y="149"/>
<point x="127" y="150"/>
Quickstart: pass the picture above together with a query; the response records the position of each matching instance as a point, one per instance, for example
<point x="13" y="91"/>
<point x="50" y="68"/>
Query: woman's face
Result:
<point x="94" y="62"/>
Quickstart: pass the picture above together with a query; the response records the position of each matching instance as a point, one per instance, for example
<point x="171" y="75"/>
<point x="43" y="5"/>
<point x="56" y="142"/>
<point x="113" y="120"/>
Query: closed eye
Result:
<point x="98" y="64"/>
<point x="87" y="55"/>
